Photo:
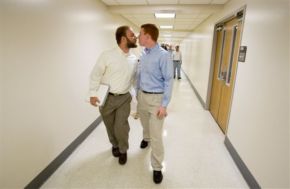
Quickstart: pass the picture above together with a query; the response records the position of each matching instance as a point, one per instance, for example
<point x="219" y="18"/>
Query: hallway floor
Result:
<point x="195" y="155"/>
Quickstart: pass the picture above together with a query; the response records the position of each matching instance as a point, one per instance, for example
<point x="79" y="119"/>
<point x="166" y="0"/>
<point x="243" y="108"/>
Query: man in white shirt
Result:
<point x="177" y="61"/>
<point x="116" y="68"/>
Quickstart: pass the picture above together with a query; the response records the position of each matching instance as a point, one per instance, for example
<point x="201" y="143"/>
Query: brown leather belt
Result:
<point x="152" y="92"/>
<point x="116" y="94"/>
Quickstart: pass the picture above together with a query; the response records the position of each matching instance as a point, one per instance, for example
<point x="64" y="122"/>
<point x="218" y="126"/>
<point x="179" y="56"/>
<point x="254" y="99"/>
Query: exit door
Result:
<point x="225" y="66"/>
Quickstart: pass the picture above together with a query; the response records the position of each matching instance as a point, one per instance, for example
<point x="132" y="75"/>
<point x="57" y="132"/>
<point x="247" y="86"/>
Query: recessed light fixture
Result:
<point x="166" y="27"/>
<point x="164" y="15"/>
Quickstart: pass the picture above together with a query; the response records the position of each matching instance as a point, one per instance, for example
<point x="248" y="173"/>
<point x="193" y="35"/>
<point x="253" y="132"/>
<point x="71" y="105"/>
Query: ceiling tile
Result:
<point x="180" y="27"/>
<point x="194" y="1"/>
<point x="144" y="16"/>
<point x="202" y="16"/>
<point x="162" y="2"/>
<point x="140" y="22"/>
<point x="110" y="2"/>
<point x="186" y="16"/>
<point x="129" y="16"/>
<point x="184" y="21"/>
<point x="192" y="26"/>
<point x="171" y="21"/>
<point x="133" y="20"/>
<point x="132" y="2"/>
<point x="219" y="1"/>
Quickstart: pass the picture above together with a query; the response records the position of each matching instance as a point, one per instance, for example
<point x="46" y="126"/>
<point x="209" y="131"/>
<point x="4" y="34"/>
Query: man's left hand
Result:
<point x="161" y="113"/>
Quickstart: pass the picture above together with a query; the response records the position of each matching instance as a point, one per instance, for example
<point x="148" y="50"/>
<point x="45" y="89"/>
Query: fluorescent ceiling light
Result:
<point x="167" y="35"/>
<point x="164" y="15"/>
<point x="166" y="27"/>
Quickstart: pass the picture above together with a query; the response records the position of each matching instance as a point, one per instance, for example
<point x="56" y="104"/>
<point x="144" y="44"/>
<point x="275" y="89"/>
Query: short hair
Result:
<point x="120" y="32"/>
<point x="152" y="30"/>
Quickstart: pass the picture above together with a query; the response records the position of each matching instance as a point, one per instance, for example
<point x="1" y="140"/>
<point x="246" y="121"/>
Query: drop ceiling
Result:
<point x="189" y="14"/>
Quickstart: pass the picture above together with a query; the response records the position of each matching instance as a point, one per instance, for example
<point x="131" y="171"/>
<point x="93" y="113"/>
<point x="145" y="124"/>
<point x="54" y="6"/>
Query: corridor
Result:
<point x="231" y="131"/>
<point x="195" y="154"/>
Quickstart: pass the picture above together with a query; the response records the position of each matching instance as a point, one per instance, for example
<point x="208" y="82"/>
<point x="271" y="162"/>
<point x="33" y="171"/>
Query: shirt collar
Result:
<point x="122" y="52"/>
<point x="148" y="50"/>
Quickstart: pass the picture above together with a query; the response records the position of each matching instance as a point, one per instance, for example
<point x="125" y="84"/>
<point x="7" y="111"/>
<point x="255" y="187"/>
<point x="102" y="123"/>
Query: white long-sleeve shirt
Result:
<point x="177" y="56"/>
<point x="116" y="69"/>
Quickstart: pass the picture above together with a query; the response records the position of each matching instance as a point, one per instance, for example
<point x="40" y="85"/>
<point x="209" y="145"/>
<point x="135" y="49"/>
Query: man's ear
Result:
<point x="147" y="36"/>
<point x="123" y="38"/>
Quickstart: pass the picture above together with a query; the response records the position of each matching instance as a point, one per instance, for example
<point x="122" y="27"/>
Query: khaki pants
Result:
<point x="115" y="115"/>
<point x="148" y="105"/>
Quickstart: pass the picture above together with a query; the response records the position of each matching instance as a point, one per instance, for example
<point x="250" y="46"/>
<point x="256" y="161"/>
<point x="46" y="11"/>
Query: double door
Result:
<point x="225" y="67"/>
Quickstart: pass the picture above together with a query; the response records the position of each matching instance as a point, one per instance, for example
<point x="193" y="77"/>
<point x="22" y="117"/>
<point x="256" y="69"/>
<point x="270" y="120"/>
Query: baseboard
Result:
<point x="195" y="91"/>
<point x="250" y="179"/>
<point x="52" y="167"/>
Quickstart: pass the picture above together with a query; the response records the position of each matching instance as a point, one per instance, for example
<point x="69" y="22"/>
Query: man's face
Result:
<point x="131" y="39"/>
<point x="142" y="37"/>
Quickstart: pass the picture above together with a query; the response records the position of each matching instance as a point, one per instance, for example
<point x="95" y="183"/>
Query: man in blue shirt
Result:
<point x="154" y="84"/>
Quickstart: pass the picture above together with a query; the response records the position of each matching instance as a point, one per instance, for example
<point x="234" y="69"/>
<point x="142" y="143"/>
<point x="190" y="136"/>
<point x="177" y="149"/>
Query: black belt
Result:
<point x="116" y="94"/>
<point x="152" y="92"/>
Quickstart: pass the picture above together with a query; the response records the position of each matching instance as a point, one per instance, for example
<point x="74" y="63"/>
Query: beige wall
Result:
<point x="1" y="106"/>
<point x="196" y="52"/>
<point x="50" y="49"/>
<point x="262" y="94"/>
<point x="259" y="119"/>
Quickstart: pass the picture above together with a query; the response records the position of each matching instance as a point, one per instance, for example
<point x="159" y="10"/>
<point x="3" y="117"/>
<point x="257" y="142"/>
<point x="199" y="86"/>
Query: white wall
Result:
<point x="259" y="119"/>
<point x="50" y="49"/>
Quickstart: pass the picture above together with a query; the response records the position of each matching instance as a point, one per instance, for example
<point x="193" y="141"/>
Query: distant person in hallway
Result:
<point x="170" y="50"/>
<point x="163" y="45"/>
<point x="116" y="68"/>
<point x="154" y="84"/>
<point x="177" y="61"/>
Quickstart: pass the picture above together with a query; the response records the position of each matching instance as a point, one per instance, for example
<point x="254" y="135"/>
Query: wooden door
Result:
<point x="216" y="84"/>
<point x="225" y="66"/>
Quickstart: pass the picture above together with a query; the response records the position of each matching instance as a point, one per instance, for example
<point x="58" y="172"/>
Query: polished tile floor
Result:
<point x="195" y="155"/>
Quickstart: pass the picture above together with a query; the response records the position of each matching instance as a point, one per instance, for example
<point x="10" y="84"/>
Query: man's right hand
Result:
<point x="94" y="101"/>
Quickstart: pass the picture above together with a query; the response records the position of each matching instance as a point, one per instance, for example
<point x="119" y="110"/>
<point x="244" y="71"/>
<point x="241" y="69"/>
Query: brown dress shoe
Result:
<point x="115" y="152"/>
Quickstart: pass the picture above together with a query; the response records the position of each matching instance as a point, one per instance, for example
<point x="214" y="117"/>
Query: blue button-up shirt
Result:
<point x="155" y="72"/>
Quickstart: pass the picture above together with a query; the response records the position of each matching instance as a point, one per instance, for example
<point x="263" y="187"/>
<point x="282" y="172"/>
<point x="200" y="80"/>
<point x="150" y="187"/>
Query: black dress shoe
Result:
<point x="115" y="152"/>
<point x="122" y="158"/>
<point x="143" y="144"/>
<point x="157" y="177"/>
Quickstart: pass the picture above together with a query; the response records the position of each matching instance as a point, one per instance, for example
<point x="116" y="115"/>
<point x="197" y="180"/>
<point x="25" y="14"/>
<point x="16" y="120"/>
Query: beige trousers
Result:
<point x="148" y="105"/>
<point x="115" y="115"/>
